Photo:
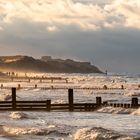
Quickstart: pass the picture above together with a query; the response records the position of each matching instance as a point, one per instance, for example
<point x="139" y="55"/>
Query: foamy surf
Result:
<point x="6" y="130"/>
<point x="132" y="93"/>
<point x="5" y="96"/>
<point x="18" y="115"/>
<point x="58" y="102"/>
<point x="51" y="125"/>
<point x="98" y="133"/>
<point x="16" y="131"/>
<point x="136" y="112"/>
<point x="115" y="110"/>
<point x="36" y="89"/>
<point x="119" y="110"/>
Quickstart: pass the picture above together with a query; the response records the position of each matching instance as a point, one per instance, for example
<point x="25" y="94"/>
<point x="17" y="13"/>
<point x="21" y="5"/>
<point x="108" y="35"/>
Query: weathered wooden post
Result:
<point x="13" y="98"/>
<point x="29" y="80"/>
<point x="105" y="87"/>
<point x="98" y="101"/>
<point x="129" y="105"/>
<point x="106" y="72"/>
<point x="134" y="102"/>
<point x="48" y="105"/>
<point x="70" y="99"/>
<point x="122" y="87"/>
<point x="105" y="103"/>
<point x="1" y="86"/>
<point x="114" y="105"/>
<point x="19" y="86"/>
<point x="35" y="85"/>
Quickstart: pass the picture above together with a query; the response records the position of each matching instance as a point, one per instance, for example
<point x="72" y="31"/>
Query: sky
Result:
<point x="104" y="32"/>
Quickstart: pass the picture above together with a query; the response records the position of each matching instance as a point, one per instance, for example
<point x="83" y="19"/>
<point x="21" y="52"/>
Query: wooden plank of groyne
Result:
<point x="31" y="105"/>
<point x="5" y="105"/>
<point x="6" y="109"/>
<point x="30" y="101"/>
<point x="60" y="108"/>
<point x="5" y="102"/>
<point x="59" y="105"/>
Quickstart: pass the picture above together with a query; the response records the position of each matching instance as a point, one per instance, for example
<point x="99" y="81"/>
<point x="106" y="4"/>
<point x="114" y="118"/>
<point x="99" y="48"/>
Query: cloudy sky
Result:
<point x="104" y="32"/>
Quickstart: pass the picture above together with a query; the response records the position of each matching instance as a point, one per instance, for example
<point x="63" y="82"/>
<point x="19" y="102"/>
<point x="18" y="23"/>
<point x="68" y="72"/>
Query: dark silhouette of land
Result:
<point x="21" y="63"/>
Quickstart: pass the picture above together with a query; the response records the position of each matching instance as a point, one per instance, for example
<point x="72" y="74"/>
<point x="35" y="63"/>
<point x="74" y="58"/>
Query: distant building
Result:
<point x="46" y="58"/>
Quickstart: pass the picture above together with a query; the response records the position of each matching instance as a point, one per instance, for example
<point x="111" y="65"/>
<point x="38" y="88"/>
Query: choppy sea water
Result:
<point x="105" y="123"/>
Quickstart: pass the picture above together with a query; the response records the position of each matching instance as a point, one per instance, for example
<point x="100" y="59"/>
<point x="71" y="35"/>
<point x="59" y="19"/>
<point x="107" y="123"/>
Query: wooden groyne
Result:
<point x="46" y="105"/>
<point x="40" y="79"/>
<point x="19" y="86"/>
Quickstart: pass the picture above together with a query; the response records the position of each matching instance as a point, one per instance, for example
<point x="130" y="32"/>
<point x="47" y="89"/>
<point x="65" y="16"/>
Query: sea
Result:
<point x="106" y="123"/>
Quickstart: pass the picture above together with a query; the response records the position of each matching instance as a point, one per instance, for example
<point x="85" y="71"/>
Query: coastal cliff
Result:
<point x="45" y="64"/>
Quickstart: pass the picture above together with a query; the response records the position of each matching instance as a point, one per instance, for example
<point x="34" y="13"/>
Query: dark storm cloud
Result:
<point x="114" y="49"/>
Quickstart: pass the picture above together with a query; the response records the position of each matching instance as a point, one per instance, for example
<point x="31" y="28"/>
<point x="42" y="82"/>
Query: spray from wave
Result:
<point x="98" y="133"/>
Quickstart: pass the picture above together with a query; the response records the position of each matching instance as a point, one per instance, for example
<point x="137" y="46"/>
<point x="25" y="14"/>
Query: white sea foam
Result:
<point x="116" y="110"/>
<point x="18" y="115"/>
<point x="5" y="96"/>
<point x="51" y="126"/>
<point x="36" y="89"/>
<point x="132" y="93"/>
<point x="119" y="110"/>
<point x="58" y="102"/>
<point x="16" y="131"/>
<point x="98" y="133"/>
<point x="136" y="112"/>
<point x="51" y="130"/>
<point x="26" y="89"/>
<point x="58" y="96"/>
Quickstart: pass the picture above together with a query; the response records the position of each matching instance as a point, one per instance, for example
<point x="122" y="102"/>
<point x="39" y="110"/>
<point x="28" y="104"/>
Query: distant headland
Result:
<point x="22" y="63"/>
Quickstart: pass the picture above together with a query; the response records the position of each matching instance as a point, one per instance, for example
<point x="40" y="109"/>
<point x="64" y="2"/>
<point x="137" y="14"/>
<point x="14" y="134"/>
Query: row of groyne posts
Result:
<point x="70" y="106"/>
<point x="19" y="86"/>
<point x="41" y="79"/>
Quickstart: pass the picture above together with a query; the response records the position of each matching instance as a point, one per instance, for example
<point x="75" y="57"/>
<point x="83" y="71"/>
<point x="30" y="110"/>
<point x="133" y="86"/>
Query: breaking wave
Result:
<point x="18" y="115"/>
<point x="5" y="96"/>
<point x="119" y="110"/>
<point x="98" y="133"/>
<point x="58" y="101"/>
<point x="132" y="93"/>
<point x="136" y="112"/>
<point x="6" y="130"/>
<point x="17" y="131"/>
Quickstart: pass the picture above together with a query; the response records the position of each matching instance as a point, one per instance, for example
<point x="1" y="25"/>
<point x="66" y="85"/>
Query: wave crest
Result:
<point x="98" y="133"/>
<point x="18" y="115"/>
